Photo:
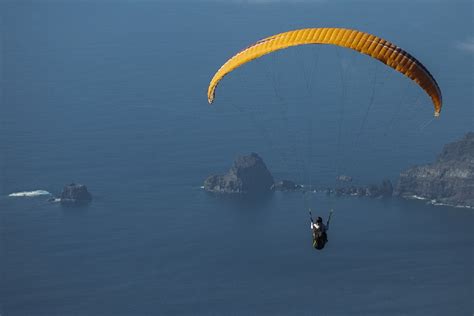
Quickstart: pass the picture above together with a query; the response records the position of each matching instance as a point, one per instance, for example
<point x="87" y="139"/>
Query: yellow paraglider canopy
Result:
<point x="365" y="43"/>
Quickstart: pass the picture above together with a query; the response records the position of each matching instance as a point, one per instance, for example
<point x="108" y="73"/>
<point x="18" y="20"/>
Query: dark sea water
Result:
<point x="113" y="95"/>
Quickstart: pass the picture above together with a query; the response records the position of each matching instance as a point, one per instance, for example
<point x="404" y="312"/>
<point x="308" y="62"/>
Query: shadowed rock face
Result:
<point x="75" y="194"/>
<point x="449" y="180"/>
<point x="248" y="175"/>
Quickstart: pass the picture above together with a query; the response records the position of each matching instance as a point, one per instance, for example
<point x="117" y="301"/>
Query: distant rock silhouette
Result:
<point x="344" y="178"/>
<point x="248" y="175"/>
<point x="286" y="185"/>
<point x="449" y="180"/>
<point x="384" y="190"/>
<point x="75" y="194"/>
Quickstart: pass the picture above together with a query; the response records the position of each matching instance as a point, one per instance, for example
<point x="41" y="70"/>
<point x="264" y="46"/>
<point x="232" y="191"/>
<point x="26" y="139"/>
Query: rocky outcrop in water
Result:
<point x="248" y="175"/>
<point x="383" y="190"/>
<point x="344" y="178"/>
<point x="75" y="194"/>
<point x="286" y="185"/>
<point x="449" y="180"/>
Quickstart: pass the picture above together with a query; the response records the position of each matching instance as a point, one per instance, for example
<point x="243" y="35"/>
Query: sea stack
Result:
<point x="248" y="175"/>
<point x="75" y="194"/>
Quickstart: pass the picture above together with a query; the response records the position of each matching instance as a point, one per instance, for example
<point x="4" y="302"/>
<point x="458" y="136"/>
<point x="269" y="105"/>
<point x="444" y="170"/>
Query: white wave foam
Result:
<point x="417" y="197"/>
<point x="435" y="203"/>
<point x="29" y="193"/>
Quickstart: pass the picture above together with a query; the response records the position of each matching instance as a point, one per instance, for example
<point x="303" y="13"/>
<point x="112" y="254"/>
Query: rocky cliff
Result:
<point x="449" y="180"/>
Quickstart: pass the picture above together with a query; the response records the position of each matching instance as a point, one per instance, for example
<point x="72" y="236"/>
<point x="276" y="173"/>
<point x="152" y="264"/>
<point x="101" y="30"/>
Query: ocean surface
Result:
<point x="113" y="95"/>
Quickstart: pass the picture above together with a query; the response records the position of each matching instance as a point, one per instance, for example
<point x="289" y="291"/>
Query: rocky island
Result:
<point x="449" y="180"/>
<point x="248" y="175"/>
<point x="75" y="194"/>
<point x="382" y="190"/>
<point x="286" y="185"/>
